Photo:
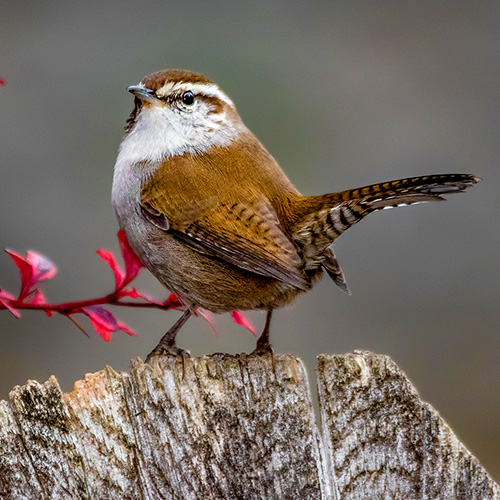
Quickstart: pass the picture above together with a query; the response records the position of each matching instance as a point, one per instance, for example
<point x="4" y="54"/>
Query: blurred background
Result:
<point x="343" y="94"/>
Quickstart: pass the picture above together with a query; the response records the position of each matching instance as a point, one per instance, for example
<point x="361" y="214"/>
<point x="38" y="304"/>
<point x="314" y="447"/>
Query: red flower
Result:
<point x="132" y="263"/>
<point x="5" y="299"/>
<point x="35" y="268"/>
<point x="241" y="320"/>
<point x="104" y="322"/>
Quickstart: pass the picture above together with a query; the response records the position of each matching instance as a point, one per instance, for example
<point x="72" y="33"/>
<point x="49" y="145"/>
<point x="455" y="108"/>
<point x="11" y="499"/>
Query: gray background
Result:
<point x="343" y="94"/>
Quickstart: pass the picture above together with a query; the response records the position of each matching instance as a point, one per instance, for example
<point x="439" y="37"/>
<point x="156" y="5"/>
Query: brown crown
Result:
<point x="155" y="81"/>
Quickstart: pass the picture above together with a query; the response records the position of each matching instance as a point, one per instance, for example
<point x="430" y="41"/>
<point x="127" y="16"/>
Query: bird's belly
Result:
<point x="198" y="279"/>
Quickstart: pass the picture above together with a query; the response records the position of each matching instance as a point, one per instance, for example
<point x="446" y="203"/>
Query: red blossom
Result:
<point x="208" y="317"/>
<point x="35" y="268"/>
<point x="104" y="322"/>
<point x="2" y="81"/>
<point x="239" y="318"/>
<point x="132" y="262"/>
<point x="109" y="258"/>
<point x="5" y="299"/>
<point x="38" y="298"/>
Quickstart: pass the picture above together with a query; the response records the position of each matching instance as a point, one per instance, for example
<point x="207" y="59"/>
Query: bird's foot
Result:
<point x="262" y="349"/>
<point x="163" y="349"/>
<point x="263" y="345"/>
<point x="167" y="346"/>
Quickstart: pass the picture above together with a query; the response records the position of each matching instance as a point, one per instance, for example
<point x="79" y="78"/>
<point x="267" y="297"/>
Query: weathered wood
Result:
<point x="231" y="427"/>
<point x="384" y="442"/>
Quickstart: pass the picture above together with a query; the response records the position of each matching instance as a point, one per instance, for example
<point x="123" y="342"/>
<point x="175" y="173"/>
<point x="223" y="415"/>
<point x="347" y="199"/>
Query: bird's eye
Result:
<point x="188" y="98"/>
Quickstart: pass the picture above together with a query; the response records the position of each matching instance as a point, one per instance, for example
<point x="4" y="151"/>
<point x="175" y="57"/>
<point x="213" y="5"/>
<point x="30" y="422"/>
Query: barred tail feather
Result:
<point x="319" y="220"/>
<point x="337" y="212"/>
<point x="333" y="269"/>
<point x="410" y="190"/>
<point x="402" y="192"/>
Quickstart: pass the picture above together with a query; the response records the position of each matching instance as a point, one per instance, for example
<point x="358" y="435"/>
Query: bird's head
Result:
<point x="178" y="112"/>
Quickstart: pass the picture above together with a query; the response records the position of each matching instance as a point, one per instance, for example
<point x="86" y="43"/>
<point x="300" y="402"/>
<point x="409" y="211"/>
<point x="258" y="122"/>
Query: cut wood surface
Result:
<point x="234" y="427"/>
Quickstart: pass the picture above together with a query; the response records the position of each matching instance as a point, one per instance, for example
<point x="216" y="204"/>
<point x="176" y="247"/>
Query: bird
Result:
<point x="215" y="219"/>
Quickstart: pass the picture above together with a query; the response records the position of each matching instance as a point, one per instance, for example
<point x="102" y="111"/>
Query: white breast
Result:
<point x="160" y="133"/>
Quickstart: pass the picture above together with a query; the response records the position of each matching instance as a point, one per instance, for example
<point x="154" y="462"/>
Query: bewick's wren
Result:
<point x="215" y="219"/>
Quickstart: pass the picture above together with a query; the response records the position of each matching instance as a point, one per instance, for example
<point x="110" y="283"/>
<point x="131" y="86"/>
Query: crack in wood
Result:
<point x="226" y="427"/>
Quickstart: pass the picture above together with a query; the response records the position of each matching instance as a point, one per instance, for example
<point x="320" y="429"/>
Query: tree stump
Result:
<point x="234" y="427"/>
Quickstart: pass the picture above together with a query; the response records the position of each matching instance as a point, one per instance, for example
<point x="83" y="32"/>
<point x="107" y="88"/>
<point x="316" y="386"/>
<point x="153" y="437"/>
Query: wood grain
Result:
<point x="384" y="442"/>
<point x="231" y="427"/>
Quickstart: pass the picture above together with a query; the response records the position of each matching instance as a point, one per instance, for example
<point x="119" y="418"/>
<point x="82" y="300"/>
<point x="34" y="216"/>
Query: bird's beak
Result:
<point x="142" y="93"/>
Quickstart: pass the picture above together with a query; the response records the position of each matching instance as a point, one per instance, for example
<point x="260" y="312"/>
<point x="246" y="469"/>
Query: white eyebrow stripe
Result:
<point x="210" y="89"/>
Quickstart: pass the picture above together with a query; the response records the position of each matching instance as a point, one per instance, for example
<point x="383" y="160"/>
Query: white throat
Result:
<point x="159" y="134"/>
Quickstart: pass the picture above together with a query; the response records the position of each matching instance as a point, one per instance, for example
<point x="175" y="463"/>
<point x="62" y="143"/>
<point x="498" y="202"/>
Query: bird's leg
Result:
<point x="263" y="345"/>
<point x="167" y="342"/>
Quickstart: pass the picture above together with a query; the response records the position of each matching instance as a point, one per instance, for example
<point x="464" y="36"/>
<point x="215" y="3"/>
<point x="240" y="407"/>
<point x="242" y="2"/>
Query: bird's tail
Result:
<point x="319" y="220"/>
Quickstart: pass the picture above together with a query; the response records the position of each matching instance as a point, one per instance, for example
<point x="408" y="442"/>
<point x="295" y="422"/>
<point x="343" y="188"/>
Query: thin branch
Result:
<point x="78" y="326"/>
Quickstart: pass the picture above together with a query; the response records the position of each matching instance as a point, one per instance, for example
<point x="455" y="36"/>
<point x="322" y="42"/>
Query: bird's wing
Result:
<point x="247" y="235"/>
